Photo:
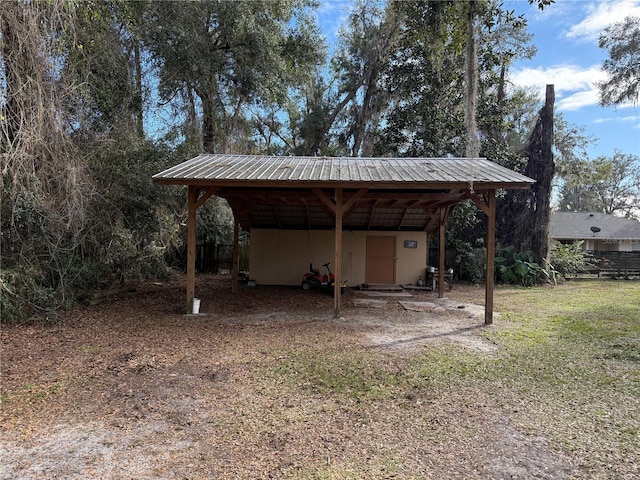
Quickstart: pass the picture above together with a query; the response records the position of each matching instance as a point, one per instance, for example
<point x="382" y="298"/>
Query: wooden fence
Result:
<point x="616" y="264"/>
<point x="213" y="258"/>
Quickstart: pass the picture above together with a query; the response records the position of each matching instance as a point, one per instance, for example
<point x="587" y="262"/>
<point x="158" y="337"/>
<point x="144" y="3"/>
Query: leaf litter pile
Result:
<point x="266" y="384"/>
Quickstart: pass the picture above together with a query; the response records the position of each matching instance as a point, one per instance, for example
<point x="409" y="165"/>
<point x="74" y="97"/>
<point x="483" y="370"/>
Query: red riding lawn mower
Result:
<point x="313" y="278"/>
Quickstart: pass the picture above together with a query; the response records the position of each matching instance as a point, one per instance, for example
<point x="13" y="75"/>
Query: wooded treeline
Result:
<point x="99" y="95"/>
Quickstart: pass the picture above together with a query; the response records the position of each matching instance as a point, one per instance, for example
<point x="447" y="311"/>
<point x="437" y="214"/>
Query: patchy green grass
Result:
<point x="572" y="356"/>
<point x="357" y="373"/>
<point x="34" y="393"/>
<point x="567" y="368"/>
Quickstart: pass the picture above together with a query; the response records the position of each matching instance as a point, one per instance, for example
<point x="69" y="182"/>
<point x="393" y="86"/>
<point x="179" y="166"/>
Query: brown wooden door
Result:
<point x="381" y="260"/>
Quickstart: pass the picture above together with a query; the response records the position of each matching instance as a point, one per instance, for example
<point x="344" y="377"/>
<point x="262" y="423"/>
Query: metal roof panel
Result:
<point x="267" y="169"/>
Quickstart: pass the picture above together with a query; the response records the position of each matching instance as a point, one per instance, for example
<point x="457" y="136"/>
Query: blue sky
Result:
<point x="566" y="34"/>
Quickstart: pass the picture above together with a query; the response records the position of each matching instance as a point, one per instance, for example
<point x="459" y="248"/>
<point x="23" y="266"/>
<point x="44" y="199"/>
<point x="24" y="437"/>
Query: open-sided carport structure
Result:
<point x="342" y="193"/>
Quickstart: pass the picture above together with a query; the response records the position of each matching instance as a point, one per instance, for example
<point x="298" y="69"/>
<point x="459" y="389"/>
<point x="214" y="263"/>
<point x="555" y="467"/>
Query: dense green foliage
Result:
<point x="570" y="259"/>
<point x="621" y="40"/>
<point x="606" y="184"/>
<point x="519" y="268"/>
<point x="78" y="208"/>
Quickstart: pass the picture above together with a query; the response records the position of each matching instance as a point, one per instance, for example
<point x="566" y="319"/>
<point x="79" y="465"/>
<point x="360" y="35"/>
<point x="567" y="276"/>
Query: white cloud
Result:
<point x="601" y="14"/>
<point x="574" y="85"/>
<point x="332" y="14"/>
<point x="578" y="100"/>
<point x="618" y="119"/>
<point x="333" y="7"/>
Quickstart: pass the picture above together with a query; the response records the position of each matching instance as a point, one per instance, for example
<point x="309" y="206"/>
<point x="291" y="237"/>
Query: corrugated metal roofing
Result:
<point x="267" y="169"/>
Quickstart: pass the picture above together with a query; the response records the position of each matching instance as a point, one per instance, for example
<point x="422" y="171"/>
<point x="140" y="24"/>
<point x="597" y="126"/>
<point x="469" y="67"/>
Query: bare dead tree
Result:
<point x="524" y="215"/>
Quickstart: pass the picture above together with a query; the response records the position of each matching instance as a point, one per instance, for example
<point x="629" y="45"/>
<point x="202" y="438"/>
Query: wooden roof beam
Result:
<point x="206" y="194"/>
<point x="373" y="209"/>
<point x="295" y="196"/>
<point x="480" y="201"/>
<point x="326" y="200"/>
<point x="352" y="202"/>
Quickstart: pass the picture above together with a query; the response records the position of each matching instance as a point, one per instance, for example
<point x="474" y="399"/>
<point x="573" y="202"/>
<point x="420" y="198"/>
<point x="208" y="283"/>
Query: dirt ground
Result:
<point x="133" y="388"/>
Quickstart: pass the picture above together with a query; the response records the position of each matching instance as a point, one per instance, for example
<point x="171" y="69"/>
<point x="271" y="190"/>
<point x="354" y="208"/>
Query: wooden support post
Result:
<point x="235" y="267"/>
<point x="441" y="253"/>
<point x="338" y="253"/>
<point x="192" y="199"/>
<point x="491" y="253"/>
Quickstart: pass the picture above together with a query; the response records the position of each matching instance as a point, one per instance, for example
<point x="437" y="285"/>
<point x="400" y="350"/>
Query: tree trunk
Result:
<point x="192" y="128"/>
<point x="139" y="104"/>
<point x="524" y="216"/>
<point x="208" y="125"/>
<point x="471" y="93"/>
<point x="541" y="167"/>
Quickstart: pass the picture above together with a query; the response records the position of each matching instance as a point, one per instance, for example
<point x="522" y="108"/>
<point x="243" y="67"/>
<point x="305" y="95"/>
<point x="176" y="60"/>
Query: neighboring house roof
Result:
<point x="382" y="193"/>
<point x="577" y="226"/>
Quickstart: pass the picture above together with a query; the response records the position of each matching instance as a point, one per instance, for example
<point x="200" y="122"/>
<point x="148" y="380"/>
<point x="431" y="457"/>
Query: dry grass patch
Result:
<point x="267" y="385"/>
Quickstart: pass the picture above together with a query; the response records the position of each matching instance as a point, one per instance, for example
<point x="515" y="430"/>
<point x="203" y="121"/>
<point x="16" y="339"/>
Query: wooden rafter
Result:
<point x="352" y="202"/>
<point x="326" y="200"/>
<point x="318" y="196"/>
<point x="479" y="200"/>
<point x="377" y="201"/>
<point x="410" y="206"/>
<point x="206" y="194"/>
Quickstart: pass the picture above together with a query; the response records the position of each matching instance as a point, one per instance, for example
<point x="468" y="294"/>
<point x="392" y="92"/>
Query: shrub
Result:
<point x="470" y="262"/>
<point x="519" y="268"/>
<point x="570" y="259"/>
<point x="57" y="244"/>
